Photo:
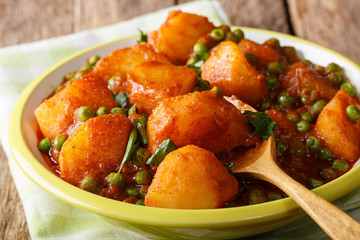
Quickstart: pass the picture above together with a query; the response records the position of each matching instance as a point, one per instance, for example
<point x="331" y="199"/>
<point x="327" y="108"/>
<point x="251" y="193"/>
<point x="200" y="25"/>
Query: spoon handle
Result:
<point x="336" y="223"/>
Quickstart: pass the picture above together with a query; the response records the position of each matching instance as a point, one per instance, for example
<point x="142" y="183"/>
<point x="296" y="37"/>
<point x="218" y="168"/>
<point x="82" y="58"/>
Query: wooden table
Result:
<point x="332" y="23"/>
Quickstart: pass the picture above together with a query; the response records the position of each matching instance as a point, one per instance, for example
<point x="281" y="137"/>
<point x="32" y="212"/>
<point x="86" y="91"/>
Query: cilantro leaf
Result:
<point x="143" y="37"/>
<point x="263" y="124"/>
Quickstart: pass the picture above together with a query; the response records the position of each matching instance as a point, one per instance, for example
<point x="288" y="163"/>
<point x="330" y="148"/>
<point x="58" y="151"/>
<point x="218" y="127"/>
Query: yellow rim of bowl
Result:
<point x="225" y="217"/>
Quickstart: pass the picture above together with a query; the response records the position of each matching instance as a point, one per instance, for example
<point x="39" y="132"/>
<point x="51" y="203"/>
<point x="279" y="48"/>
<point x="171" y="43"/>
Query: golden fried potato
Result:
<point x="334" y="127"/>
<point x="177" y="36"/>
<point x="122" y="61"/>
<point x="191" y="178"/>
<point x="204" y="119"/>
<point x="228" y="69"/>
<point x="263" y="53"/>
<point x="300" y="75"/>
<point x="151" y="82"/>
<point x="96" y="148"/>
<point x="58" y="116"/>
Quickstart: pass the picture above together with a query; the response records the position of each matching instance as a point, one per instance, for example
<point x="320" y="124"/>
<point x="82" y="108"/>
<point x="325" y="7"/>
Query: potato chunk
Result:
<point x="191" y="178"/>
<point x="122" y="61"/>
<point x="340" y="135"/>
<point x="177" y="36"/>
<point x="96" y="148"/>
<point x="263" y="53"/>
<point x="300" y="75"/>
<point x="58" y="114"/>
<point x="204" y="119"/>
<point x="228" y="69"/>
<point x="151" y="82"/>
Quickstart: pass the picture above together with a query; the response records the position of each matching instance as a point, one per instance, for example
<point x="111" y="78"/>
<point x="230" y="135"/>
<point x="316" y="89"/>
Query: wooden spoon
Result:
<point x="261" y="164"/>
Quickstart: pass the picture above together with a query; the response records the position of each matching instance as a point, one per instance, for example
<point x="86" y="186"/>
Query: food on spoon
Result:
<point x="95" y="148"/>
<point x="151" y="82"/>
<point x="204" y="119"/>
<point x="336" y="128"/>
<point x="177" y="36"/>
<point x="58" y="115"/>
<point x="113" y="69"/>
<point x="191" y="178"/>
<point x="228" y="69"/>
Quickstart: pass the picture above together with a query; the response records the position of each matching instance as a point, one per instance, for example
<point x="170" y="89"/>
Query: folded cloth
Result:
<point x="50" y="218"/>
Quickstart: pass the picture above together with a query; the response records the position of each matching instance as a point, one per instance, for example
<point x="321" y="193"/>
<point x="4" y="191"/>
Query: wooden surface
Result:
<point x="332" y="23"/>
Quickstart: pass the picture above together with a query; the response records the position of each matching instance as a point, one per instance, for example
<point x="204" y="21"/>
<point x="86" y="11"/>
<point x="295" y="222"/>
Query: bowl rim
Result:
<point x="179" y="218"/>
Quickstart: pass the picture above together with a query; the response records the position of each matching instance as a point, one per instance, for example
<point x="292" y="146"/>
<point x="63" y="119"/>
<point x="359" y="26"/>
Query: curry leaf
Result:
<point x="263" y="124"/>
<point x="165" y="147"/>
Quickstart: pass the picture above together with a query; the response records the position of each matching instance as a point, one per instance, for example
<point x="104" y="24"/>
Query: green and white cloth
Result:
<point x="50" y="218"/>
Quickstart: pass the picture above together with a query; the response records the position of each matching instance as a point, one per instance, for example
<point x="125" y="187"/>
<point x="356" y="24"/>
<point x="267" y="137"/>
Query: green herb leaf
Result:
<point x="263" y="124"/>
<point x="165" y="147"/>
<point x="130" y="147"/>
<point x="143" y="37"/>
<point x="132" y="108"/>
<point x="121" y="99"/>
<point x="141" y="127"/>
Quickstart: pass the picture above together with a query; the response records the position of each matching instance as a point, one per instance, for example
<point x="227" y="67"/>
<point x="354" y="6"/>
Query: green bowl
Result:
<point x="160" y="223"/>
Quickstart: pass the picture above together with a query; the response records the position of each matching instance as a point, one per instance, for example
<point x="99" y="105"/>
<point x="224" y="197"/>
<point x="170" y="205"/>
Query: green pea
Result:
<point x="111" y="81"/>
<point x="319" y="106"/>
<point x="44" y="145"/>
<point x="274" y="196"/>
<point x="101" y="111"/>
<point x="200" y="49"/>
<point x="280" y="148"/>
<point x="328" y="173"/>
<point x="85" y="112"/>
<point x="313" y="144"/>
<point x="349" y="87"/>
<point x="231" y="36"/>
<point x="285" y="99"/>
<point x="218" y="34"/>
<point x="118" y="110"/>
<point x="217" y="91"/>
<point x="257" y="196"/>
<point x="273" y="43"/>
<point x="337" y="78"/>
<point x="293" y="117"/>
<point x="70" y="75"/>
<point x="131" y="190"/>
<point x="86" y="67"/>
<point x="93" y="60"/>
<point x="341" y="165"/>
<point x="303" y="126"/>
<point x="265" y="105"/>
<point x="278" y="107"/>
<point x="305" y="96"/>
<point x="59" y="141"/>
<point x="239" y="33"/>
<point x="116" y="179"/>
<point x="140" y="156"/>
<point x="271" y="82"/>
<point x="325" y="154"/>
<point x="306" y="116"/>
<point x="89" y="183"/>
<point x="205" y="56"/>
<point x="332" y="67"/>
<point x="78" y="75"/>
<point x="314" y="183"/>
<point x="319" y="69"/>
<point x="274" y="68"/>
<point x="290" y="53"/>
<point x="140" y="202"/>
<point x="251" y="58"/>
<point x="143" y="190"/>
<point x="353" y="113"/>
<point x="143" y="177"/>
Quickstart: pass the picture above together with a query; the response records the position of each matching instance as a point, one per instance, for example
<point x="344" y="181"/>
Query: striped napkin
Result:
<point x="50" y="218"/>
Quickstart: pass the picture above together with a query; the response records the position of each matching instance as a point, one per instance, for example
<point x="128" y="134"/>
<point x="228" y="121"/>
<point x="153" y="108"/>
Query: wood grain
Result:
<point x="332" y="23"/>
